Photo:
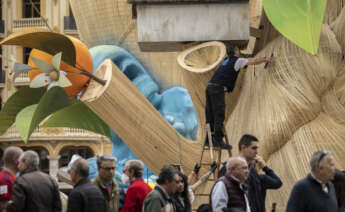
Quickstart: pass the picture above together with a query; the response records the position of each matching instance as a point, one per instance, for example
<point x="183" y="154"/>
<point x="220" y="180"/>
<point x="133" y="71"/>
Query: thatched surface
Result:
<point x="294" y="107"/>
<point x="202" y="58"/>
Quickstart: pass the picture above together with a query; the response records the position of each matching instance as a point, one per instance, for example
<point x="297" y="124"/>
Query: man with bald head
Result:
<point x="8" y="174"/>
<point x="315" y="193"/>
<point x="230" y="191"/>
<point x="85" y="196"/>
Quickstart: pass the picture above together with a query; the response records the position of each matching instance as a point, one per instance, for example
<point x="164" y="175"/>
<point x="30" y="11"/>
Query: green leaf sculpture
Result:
<point x="78" y="115"/>
<point x="53" y="100"/>
<point x="23" y="118"/>
<point x="300" y="21"/>
<point x="22" y="98"/>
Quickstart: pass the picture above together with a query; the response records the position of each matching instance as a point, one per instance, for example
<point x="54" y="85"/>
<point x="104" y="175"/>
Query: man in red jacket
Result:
<point x="8" y="174"/>
<point x="138" y="190"/>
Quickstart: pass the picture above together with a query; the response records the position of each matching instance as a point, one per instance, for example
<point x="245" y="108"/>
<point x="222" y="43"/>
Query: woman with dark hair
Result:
<point x="339" y="185"/>
<point x="181" y="198"/>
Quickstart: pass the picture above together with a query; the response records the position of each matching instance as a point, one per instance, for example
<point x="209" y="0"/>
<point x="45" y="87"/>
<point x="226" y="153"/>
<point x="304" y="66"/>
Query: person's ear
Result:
<point x="242" y="147"/>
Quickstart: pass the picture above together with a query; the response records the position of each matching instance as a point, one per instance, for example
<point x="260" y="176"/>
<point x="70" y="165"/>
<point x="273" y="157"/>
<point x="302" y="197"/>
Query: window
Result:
<point x="31" y="8"/>
<point x="43" y="154"/>
<point x="26" y="54"/>
<point x="66" y="154"/>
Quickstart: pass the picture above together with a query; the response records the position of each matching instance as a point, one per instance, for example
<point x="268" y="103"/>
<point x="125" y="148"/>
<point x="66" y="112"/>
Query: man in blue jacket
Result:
<point x="224" y="80"/>
<point x="257" y="183"/>
<point x="315" y="193"/>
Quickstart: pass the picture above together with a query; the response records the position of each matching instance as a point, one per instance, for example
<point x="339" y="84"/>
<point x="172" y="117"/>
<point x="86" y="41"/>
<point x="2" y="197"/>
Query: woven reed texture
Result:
<point x="126" y="110"/>
<point x="294" y="107"/>
<point x="202" y="58"/>
<point x="290" y="107"/>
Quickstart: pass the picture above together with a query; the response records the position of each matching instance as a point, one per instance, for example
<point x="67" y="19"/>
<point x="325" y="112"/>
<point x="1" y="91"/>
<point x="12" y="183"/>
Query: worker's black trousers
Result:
<point x="215" y="109"/>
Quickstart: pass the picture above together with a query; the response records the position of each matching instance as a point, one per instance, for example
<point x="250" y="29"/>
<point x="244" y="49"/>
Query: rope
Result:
<point x="179" y="148"/>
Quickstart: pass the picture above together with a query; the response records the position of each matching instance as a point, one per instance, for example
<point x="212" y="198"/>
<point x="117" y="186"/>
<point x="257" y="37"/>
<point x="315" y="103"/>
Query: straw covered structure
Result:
<point x="295" y="106"/>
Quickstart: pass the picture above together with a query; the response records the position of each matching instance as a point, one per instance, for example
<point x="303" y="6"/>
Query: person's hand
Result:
<point x="260" y="161"/>
<point x="213" y="167"/>
<point x="268" y="59"/>
<point x="196" y="168"/>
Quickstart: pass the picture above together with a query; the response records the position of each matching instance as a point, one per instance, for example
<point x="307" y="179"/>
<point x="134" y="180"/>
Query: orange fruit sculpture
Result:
<point x="83" y="60"/>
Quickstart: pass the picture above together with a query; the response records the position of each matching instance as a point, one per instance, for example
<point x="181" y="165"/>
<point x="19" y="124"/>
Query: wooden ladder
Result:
<point x="215" y="156"/>
<point x="213" y="149"/>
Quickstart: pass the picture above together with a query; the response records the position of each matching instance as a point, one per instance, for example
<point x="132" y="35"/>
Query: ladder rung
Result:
<point x="214" y="148"/>
<point x="206" y="163"/>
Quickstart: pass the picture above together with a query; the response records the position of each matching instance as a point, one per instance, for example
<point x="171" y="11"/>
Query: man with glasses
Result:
<point x="106" y="165"/>
<point x="315" y="193"/>
<point x="230" y="191"/>
<point x="257" y="183"/>
<point x="85" y="197"/>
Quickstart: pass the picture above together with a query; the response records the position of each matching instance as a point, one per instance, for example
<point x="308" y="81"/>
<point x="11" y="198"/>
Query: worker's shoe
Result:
<point x="219" y="143"/>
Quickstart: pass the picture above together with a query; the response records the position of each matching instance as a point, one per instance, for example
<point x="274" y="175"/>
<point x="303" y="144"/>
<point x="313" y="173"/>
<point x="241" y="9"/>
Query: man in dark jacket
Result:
<point x="85" y="196"/>
<point x="257" y="183"/>
<point x="159" y="199"/>
<point x="33" y="190"/>
<point x="224" y="80"/>
<point x="315" y="193"/>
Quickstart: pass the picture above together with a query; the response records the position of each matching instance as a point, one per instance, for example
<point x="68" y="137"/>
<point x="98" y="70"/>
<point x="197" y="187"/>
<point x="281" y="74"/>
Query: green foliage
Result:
<point x="78" y="115"/>
<point x="53" y="100"/>
<point x="22" y="98"/>
<point x="300" y="21"/>
<point x="23" y="119"/>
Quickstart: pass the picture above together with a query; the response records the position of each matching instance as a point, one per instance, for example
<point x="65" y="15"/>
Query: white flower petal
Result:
<point x="64" y="81"/>
<point x="53" y="84"/>
<point x="40" y="80"/>
<point x="56" y="61"/>
<point x="63" y="72"/>
<point x="43" y="65"/>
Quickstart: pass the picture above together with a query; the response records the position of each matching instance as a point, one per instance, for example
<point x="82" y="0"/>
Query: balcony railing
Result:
<point x="22" y="79"/>
<point x="2" y="26"/>
<point x="28" y="22"/>
<point x="52" y="134"/>
<point x="69" y="24"/>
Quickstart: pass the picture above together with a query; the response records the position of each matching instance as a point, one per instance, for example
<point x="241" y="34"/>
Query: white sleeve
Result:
<point x="219" y="197"/>
<point x="240" y="63"/>
<point x="191" y="194"/>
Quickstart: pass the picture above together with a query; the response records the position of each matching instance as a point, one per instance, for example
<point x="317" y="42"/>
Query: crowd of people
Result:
<point x="241" y="186"/>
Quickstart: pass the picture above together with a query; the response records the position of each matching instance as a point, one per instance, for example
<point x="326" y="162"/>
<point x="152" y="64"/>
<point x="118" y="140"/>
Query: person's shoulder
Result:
<point x="303" y="183"/>
<point x="6" y="177"/>
<point x="154" y="194"/>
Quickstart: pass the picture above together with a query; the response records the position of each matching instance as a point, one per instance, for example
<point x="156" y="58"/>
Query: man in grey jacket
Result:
<point x="33" y="190"/>
<point x="159" y="199"/>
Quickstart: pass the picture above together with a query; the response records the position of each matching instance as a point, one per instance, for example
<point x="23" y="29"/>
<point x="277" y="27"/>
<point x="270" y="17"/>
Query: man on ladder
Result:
<point x="224" y="80"/>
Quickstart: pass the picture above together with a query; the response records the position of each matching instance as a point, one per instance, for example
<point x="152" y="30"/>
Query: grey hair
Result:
<point x="233" y="163"/>
<point x="12" y="152"/>
<point x="81" y="167"/>
<point x="137" y="166"/>
<point x="317" y="158"/>
<point x="31" y="159"/>
<point x="105" y="158"/>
